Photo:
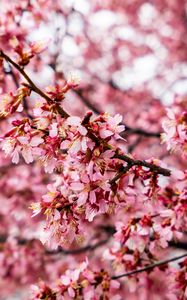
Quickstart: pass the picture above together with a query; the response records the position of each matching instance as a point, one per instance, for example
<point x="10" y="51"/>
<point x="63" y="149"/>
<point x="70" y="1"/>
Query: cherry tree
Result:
<point x="93" y="152"/>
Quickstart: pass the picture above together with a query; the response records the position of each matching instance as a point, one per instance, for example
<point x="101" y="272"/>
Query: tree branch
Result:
<point x="14" y="78"/>
<point x="32" y="86"/>
<point x="130" y="161"/>
<point x="63" y="113"/>
<point x="150" y="267"/>
<point x="143" y="163"/>
<point x="120" y="173"/>
<point x="79" y="250"/>
<point x="89" y="247"/>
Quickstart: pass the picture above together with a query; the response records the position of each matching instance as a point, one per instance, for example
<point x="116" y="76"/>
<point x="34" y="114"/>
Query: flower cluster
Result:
<point x="175" y="131"/>
<point x="11" y="103"/>
<point x="81" y="283"/>
<point x="22" y="139"/>
<point x="78" y="149"/>
<point x="119" y="202"/>
<point x="26" y="53"/>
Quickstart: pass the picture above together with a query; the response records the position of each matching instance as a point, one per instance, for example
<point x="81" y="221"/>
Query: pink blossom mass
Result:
<point x="93" y="149"/>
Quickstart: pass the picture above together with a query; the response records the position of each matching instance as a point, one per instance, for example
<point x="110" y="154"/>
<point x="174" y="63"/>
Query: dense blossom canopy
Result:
<point x="93" y="149"/>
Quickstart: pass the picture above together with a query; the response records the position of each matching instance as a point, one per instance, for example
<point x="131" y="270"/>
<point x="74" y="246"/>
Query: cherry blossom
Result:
<point x="93" y="140"/>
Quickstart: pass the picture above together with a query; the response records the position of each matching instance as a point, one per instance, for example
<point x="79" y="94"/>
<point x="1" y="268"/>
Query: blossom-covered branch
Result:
<point x="151" y="166"/>
<point x="31" y="85"/>
<point x="77" y="211"/>
<point x="128" y="130"/>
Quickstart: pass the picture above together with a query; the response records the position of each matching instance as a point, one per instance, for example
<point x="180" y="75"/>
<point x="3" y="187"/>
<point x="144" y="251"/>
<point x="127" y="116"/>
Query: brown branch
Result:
<point x="14" y="78"/>
<point x="150" y="267"/>
<point x="178" y="244"/>
<point x="108" y="229"/>
<point x="5" y="168"/>
<point x="10" y="72"/>
<point x="142" y="132"/>
<point x="60" y="250"/>
<point x="129" y="160"/>
<point x="134" y="145"/>
<point x="121" y="172"/>
<point x="143" y="163"/>
<point x="32" y="86"/>
<point x="78" y="250"/>
<point x="87" y="102"/>
<point x="63" y="113"/>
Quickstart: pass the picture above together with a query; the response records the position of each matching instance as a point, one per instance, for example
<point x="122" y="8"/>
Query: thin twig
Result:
<point x="128" y="129"/>
<point x="123" y="171"/>
<point x="78" y="250"/>
<point x="143" y="163"/>
<point x="86" y="101"/>
<point x="25" y="105"/>
<point x="60" y="250"/>
<point x="31" y="83"/>
<point x="150" y="267"/>
<point x="126" y="158"/>
<point x="133" y="146"/>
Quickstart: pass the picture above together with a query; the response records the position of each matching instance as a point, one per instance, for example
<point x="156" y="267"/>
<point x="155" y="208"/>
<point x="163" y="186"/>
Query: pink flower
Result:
<point x="76" y="122"/>
<point x="165" y="234"/>
<point x="112" y="127"/>
<point x="52" y="194"/>
<point x="71" y="277"/>
<point x="28" y="147"/>
<point x="54" y="130"/>
<point x="38" y="47"/>
<point x="175" y="134"/>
